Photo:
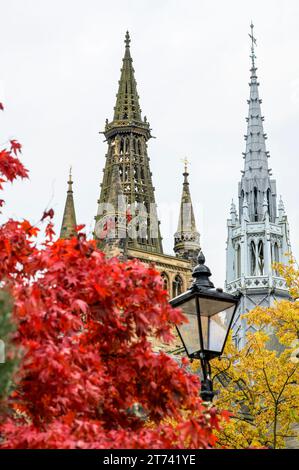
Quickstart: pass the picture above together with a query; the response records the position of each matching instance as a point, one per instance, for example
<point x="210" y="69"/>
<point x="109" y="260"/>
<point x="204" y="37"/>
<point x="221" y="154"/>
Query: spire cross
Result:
<point x="186" y="163"/>
<point x="253" y="44"/>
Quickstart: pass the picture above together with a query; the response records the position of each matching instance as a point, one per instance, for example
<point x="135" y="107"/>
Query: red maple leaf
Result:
<point x="50" y="233"/>
<point x="49" y="213"/>
<point x="15" y="146"/>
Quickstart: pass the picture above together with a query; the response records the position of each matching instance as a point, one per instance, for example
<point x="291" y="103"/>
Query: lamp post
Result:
<point x="210" y="313"/>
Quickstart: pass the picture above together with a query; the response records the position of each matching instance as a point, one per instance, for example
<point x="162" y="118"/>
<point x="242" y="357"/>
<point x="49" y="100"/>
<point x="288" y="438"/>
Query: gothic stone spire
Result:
<point x="187" y="238"/>
<point x="127" y="101"/>
<point x="257" y="238"/>
<point x="68" y="226"/>
<point x="256" y="181"/>
<point x="127" y="135"/>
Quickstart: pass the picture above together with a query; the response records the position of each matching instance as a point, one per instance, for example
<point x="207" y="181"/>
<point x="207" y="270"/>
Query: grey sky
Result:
<point x="60" y="64"/>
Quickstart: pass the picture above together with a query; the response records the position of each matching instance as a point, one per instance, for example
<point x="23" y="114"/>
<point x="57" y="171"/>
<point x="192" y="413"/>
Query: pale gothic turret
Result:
<point x="259" y="236"/>
<point x="186" y="238"/>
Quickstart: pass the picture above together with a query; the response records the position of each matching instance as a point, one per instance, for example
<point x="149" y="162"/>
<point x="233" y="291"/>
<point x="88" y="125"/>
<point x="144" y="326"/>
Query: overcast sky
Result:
<point x="59" y="67"/>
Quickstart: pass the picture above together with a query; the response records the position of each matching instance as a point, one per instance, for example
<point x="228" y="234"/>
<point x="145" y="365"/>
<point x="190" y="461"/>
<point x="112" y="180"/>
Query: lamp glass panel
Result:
<point x="189" y="331"/>
<point x="216" y="318"/>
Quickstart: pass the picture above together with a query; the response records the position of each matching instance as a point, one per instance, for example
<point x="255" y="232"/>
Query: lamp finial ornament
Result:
<point x="201" y="258"/>
<point x="201" y="274"/>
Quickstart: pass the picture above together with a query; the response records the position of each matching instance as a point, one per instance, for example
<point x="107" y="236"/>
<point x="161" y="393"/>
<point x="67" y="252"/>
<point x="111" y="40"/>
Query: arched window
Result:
<point x="121" y="146"/>
<point x="177" y="286"/>
<point x="252" y="259"/>
<point x="139" y="147"/>
<point x="127" y="150"/>
<point x="165" y="281"/>
<point x="255" y="204"/>
<point x="275" y="257"/>
<point x="238" y="261"/>
<point x="261" y="261"/>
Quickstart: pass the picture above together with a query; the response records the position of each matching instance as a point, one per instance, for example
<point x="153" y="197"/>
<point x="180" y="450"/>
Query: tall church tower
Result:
<point x="259" y="235"/>
<point x="127" y="136"/>
<point x="127" y="224"/>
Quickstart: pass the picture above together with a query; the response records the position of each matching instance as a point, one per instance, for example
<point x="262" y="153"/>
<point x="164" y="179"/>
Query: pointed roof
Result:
<point x="186" y="216"/>
<point x="281" y="209"/>
<point x="68" y="226"/>
<point x="186" y="237"/>
<point x="127" y="101"/>
<point x="256" y="155"/>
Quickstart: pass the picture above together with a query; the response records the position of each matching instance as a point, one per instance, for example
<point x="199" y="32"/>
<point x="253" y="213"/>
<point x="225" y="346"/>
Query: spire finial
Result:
<point x="127" y="39"/>
<point x="185" y="174"/>
<point x="281" y="209"/>
<point x="70" y="181"/>
<point x="186" y="163"/>
<point x="253" y="44"/>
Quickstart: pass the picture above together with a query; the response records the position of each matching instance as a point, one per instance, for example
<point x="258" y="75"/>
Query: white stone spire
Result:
<point x="259" y="237"/>
<point x="256" y="160"/>
<point x="256" y="178"/>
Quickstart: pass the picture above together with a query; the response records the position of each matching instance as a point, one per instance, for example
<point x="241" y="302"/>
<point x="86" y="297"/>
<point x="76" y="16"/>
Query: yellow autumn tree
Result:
<point x="259" y="384"/>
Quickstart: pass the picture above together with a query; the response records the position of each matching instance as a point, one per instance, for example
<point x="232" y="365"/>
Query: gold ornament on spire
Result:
<point x="186" y="163"/>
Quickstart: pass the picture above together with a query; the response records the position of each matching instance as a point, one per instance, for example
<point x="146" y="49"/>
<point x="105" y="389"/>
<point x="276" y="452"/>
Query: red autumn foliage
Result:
<point x="15" y="147"/>
<point x="83" y="326"/>
<point x="49" y="213"/>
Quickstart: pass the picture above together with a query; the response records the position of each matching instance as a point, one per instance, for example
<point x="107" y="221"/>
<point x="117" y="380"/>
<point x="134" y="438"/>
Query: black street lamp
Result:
<point x="210" y="313"/>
